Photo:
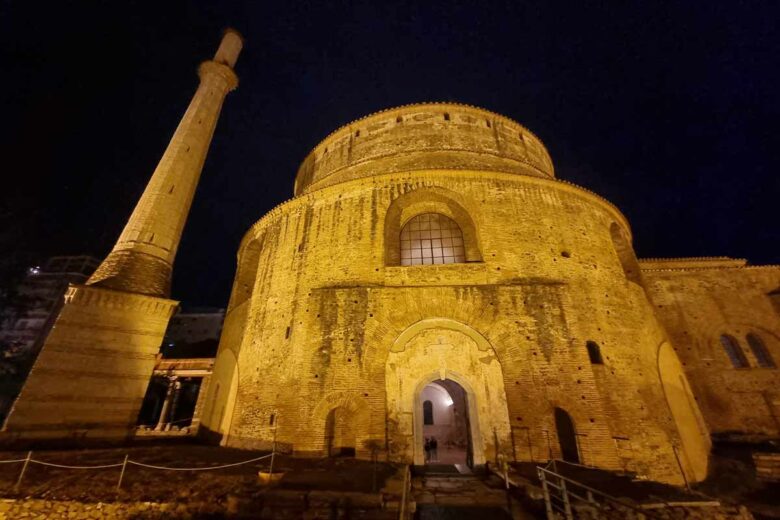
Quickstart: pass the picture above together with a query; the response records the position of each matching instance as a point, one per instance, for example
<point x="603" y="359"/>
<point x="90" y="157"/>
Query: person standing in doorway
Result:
<point x="434" y="449"/>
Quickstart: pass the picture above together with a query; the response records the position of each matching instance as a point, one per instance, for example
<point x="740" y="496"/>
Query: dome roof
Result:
<point x="423" y="137"/>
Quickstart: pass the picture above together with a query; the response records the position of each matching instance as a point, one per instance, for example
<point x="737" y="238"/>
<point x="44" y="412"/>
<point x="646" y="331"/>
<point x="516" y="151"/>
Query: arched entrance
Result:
<point x="446" y="429"/>
<point x="444" y="350"/>
<point x="567" y="436"/>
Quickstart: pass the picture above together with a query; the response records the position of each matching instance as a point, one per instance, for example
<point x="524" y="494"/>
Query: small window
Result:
<point x="427" y="413"/>
<point x="272" y="419"/>
<point x="759" y="350"/>
<point x="594" y="353"/>
<point x="446" y="116"/>
<point x="734" y="351"/>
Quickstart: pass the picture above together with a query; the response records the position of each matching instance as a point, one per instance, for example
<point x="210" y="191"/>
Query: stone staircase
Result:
<point x="453" y="496"/>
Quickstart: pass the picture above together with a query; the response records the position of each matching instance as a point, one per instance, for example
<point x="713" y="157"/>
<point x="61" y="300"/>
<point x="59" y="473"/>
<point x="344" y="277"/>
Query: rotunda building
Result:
<point x="431" y="278"/>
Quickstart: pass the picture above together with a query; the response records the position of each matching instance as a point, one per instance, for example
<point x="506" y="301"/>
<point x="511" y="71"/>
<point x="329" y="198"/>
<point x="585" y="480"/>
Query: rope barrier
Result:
<point x="196" y="469"/>
<point x="74" y="467"/>
<point x="127" y="461"/>
<point x="136" y="463"/>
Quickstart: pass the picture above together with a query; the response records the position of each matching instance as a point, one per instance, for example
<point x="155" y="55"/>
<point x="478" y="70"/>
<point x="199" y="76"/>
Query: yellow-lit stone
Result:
<point x="325" y="322"/>
<point x="91" y="375"/>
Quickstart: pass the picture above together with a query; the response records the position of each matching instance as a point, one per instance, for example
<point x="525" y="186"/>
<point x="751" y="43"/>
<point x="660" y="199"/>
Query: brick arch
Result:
<point x="685" y="414"/>
<point x="221" y="400"/>
<point x="625" y="253"/>
<point x="440" y="323"/>
<point x="358" y="410"/>
<point x="442" y="348"/>
<point x="430" y="200"/>
<point x="246" y="272"/>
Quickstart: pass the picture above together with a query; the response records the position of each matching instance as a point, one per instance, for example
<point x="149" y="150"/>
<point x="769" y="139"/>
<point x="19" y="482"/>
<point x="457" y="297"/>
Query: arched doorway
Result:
<point x="440" y="349"/>
<point x="446" y="429"/>
<point x="339" y="433"/>
<point x="567" y="436"/>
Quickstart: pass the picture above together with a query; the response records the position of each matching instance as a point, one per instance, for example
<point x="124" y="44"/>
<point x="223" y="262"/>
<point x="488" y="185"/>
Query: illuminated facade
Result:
<point x="89" y="380"/>
<point x="429" y="255"/>
<point x="432" y="243"/>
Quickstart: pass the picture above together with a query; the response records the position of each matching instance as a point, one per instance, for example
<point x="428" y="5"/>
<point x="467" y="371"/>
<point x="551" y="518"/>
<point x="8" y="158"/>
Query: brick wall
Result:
<point x="700" y="300"/>
<point x="325" y="311"/>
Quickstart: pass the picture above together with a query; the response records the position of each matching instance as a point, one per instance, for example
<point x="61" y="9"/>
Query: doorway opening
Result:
<point x="339" y="433"/>
<point x="567" y="436"/>
<point x="446" y="428"/>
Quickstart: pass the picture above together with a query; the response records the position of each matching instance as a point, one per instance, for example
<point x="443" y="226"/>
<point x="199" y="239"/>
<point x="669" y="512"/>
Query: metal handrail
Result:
<point x="591" y="490"/>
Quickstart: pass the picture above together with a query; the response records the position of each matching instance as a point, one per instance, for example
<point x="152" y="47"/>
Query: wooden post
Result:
<point x="122" y="473"/>
<point x="24" y="468"/>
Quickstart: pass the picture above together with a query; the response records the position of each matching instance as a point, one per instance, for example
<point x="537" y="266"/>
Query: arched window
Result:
<point x="759" y="350"/>
<point x="427" y="413"/>
<point x="594" y="353"/>
<point x="431" y="238"/>
<point x="734" y="351"/>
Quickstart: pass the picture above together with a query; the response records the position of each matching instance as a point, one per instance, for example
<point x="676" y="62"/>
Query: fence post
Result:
<point x="547" y="502"/>
<point x="273" y="452"/>
<point x="122" y="473"/>
<point x="565" y="495"/>
<point x="24" y="468"/>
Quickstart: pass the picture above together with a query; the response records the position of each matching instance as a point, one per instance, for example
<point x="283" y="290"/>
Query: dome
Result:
<point x="425" y="136"/>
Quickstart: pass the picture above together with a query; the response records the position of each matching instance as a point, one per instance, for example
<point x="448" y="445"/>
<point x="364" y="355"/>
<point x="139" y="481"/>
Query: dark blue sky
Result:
<point x="667" y="109"/>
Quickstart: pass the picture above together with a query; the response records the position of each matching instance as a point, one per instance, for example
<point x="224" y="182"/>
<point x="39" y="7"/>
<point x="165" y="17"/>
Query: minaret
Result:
<point x="91" y="375"/>
<point x="142" y="259"/>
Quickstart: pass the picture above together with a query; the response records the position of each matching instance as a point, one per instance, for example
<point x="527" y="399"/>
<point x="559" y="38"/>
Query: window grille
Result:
<point x="432" y="238"/>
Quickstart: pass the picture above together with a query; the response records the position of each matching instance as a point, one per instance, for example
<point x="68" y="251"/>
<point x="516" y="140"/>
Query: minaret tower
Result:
<point x="142" y="259"/>
<point x="91" y="375"/>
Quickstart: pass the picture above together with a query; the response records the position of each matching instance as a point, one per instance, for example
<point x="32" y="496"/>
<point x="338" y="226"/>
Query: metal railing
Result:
<point x="562" y="494"/>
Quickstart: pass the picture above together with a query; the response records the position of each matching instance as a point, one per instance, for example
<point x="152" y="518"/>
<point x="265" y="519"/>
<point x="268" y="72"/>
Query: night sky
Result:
<point x="669" y="110"/>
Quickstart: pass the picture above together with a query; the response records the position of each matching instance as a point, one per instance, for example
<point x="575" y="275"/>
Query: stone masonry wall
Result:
<point x="699" y="303"/>
<point x="324" y="311"/>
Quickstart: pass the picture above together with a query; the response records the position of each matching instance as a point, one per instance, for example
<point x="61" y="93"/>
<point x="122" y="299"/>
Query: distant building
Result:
<point x="24" y="327"/>
<point x="176" y="391"/>
<point x="191" y="331"/>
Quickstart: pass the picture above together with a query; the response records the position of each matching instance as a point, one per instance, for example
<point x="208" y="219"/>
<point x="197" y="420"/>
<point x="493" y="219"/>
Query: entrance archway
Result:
<point x="446" y="428"/>
<point x="567" y="436"/>
<point x="440" y="349"/>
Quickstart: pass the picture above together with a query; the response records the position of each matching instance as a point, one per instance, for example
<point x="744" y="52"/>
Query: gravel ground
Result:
<point x="143" y="484"/>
